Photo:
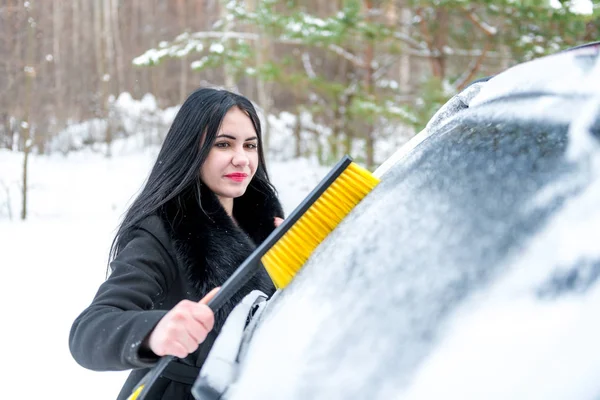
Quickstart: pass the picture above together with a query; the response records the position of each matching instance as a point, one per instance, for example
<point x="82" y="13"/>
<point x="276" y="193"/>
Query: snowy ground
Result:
<point x="57" y="258"/>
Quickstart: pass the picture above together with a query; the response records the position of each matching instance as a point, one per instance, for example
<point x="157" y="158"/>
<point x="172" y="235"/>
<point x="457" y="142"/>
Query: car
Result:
<point x="470" y="272"/>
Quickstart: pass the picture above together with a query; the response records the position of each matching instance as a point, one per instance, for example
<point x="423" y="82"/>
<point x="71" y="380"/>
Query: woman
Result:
<point x="206" y="205"/>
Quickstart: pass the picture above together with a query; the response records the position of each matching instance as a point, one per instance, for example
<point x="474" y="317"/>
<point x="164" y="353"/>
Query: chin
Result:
<point x="233" y="194"/>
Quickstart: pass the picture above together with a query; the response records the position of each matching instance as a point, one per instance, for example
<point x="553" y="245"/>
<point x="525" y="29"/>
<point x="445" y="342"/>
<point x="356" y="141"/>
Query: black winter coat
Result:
<point x="179" y="253"/>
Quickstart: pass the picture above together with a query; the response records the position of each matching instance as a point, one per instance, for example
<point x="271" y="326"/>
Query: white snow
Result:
<point x="577" y="6"/>
<point x="558" y="74"/>
<point x="199" y="63"/>
<point x="217" y="48"/>
<point x="150" y="56"/>
<point x="582" y="142"/>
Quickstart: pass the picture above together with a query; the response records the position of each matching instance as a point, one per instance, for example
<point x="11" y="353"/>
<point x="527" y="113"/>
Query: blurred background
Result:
<point x="347" y="74"/>
<point x="90" y="87"/>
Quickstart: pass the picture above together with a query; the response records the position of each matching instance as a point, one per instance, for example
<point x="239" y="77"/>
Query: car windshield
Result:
<point x="448" y="274"/>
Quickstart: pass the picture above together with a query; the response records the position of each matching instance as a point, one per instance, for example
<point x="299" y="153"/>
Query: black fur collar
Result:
<point x="210" y="246"/>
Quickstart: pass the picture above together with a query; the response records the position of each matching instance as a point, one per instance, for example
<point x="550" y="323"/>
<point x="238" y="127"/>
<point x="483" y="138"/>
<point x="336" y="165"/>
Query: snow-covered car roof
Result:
<point x="570" y="73"/>
<point x="471" y="271"/>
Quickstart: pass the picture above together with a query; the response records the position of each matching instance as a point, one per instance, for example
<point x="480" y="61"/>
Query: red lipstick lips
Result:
<point x="237" y="176"/>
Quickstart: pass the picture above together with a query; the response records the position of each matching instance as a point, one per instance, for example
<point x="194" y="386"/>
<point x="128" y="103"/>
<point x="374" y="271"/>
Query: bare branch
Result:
<point x="307" y="66"/>
<point x="385" y="66"/>
<point x="7" y="203"/>
<point x="462" y="81"/>
<point x="450" y="52"/>
<point x="488" y="30"/>
<point x="358" y="61"/>
<point x="423" y="27"/>
<point x="410" y="41"/>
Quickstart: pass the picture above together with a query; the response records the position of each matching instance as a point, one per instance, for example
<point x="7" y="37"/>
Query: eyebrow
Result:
<point x="224" y="135"/>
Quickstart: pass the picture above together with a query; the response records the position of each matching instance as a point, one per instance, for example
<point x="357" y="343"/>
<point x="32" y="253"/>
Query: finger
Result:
<point x="178" y="350"/>
<point x="209" y="296"/>
<point x="197" y="332"/>
<point x="177" y="328"/>
<point x="205" y="316"/>
<point x="185" y="339"/>
<point x="200" y="333"/>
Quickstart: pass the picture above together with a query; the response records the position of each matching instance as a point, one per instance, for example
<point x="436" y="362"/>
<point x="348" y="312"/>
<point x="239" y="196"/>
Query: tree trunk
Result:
<point x="339" y="113"/>
<point x="405" y="21"/>
<point x="348" y="131"/>
<point x="264" y="98"/>
<point x="76" y="96"/>
<point x="369" y="56"/>
<point x="57" y="30"/>
<point x="119" y="67"/>
<point x="44" y="72"/>
<point x="109" y="75"/>
<point x="98" y="56"/>
<point x="348" y="141"/>
<point x="7" y="140"/>
<point x="298" y="137"/>
<point x="157" y="73"/>
<point x="228" y="76"/>
<point x="26" y="125"/>
<point x="440" y="41"/>
<point x="183" y="61"/>
<point x="25" y="174"/>
<point x="334" y="138"/>
<point x="138" y="74"/>
<point x="7" y="203"/>
<point x="103" y="77"/>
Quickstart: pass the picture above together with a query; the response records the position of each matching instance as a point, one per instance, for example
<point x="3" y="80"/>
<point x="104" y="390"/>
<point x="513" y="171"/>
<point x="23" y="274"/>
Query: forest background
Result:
<point x="350" y="76"/>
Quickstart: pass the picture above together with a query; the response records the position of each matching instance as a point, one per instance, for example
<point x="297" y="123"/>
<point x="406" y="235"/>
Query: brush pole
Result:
<point x="235" y="282"/>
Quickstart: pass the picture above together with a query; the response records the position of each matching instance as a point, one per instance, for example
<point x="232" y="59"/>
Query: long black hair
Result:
<point x="184" y="150"/>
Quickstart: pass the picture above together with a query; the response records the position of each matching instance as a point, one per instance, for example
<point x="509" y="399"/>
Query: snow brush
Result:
<point x="290" y="245"/>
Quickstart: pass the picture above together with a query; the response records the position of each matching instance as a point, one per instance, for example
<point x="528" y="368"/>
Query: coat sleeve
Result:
<point x="107" y="335"/>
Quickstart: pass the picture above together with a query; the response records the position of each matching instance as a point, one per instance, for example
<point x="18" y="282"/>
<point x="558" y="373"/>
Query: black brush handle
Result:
<point x="239" y="278"/>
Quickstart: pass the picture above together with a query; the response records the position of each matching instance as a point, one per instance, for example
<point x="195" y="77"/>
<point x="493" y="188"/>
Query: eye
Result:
<point x="222" y="145"/>
<point x="252" y="146"/>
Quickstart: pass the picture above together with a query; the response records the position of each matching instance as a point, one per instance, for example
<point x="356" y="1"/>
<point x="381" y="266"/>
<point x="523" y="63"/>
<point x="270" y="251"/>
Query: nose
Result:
<point x="240" y="158"/>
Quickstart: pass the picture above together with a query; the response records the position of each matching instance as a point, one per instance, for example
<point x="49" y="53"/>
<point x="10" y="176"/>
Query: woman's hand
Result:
<point x="278" y="221"/>
<point x="183" y="328"/>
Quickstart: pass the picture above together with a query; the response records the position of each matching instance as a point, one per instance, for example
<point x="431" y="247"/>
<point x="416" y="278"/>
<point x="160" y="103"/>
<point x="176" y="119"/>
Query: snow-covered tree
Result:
<point x="361" y="66"/>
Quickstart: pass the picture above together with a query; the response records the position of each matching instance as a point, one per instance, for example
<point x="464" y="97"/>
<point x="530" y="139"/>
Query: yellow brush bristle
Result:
<point x="291" y="251"/>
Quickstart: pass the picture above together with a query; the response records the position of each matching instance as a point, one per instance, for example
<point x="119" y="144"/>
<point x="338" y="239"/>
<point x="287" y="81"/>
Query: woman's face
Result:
<point x="233" y="159"/>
